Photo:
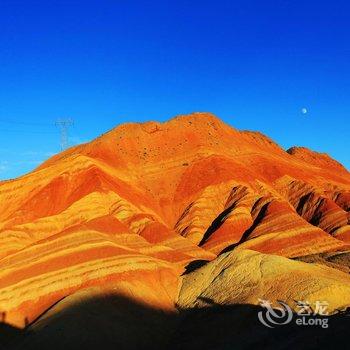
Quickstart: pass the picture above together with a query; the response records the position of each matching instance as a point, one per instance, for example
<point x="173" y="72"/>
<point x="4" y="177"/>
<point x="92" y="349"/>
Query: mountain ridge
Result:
<point x="144" y="200"/>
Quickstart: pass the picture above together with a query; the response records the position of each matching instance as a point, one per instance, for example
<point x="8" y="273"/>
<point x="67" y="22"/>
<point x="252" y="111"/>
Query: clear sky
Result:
<point x="255" y="64"/>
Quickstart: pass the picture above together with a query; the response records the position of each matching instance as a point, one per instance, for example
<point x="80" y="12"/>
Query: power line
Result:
<point x="63" y="125"/>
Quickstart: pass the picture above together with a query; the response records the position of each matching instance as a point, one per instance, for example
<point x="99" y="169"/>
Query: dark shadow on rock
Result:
<point x="302" y="202"/>
<point x="10" y="335"/>
<point x="247" y="233"/>
<point x="216" y="224"/>
<point x="116" y="322"/>
<point x="194" y="265"/>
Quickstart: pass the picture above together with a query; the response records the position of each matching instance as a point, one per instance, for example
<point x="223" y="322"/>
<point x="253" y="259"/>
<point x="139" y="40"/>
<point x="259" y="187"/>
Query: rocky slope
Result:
<point x="133" y="208"/>
<point x="245" y="277"/>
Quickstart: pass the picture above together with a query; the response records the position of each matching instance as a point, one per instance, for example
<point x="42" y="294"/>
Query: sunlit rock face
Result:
<point x="246" y="277"/>
<point x="130" y="210"/>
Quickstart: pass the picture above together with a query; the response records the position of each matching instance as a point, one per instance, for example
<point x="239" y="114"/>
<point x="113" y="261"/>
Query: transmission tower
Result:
<point x="63" y="125"/>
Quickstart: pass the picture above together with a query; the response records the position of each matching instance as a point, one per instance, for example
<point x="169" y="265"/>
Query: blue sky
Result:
<point x="255" y="64"/>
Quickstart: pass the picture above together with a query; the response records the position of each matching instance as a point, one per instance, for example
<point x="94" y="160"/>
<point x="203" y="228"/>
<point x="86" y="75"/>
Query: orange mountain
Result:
<point x="127" y="212"/>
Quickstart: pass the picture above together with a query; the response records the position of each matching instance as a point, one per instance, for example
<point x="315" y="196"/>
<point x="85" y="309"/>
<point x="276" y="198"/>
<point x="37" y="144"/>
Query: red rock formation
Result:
<point x="139" y="203"/>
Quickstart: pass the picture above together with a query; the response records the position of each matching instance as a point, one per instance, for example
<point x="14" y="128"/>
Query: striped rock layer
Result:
<point x="131" y="209"/>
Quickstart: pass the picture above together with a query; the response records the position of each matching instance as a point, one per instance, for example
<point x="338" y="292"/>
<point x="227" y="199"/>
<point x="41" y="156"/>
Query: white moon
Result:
<point x="304" y="110"/>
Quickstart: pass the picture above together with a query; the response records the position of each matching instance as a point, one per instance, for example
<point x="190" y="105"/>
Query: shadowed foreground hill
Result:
<point x="116" y="322"/>
<point x="131" y="211"/>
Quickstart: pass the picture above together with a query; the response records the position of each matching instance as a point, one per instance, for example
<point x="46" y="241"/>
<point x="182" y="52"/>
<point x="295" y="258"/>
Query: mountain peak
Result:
<point x="186" y="138"/>
<point x="315" y="158"/>
<point x="199" y="120"/>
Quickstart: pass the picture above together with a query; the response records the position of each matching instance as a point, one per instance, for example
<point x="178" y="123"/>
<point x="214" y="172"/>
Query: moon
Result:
<point x="304" y="110"/>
